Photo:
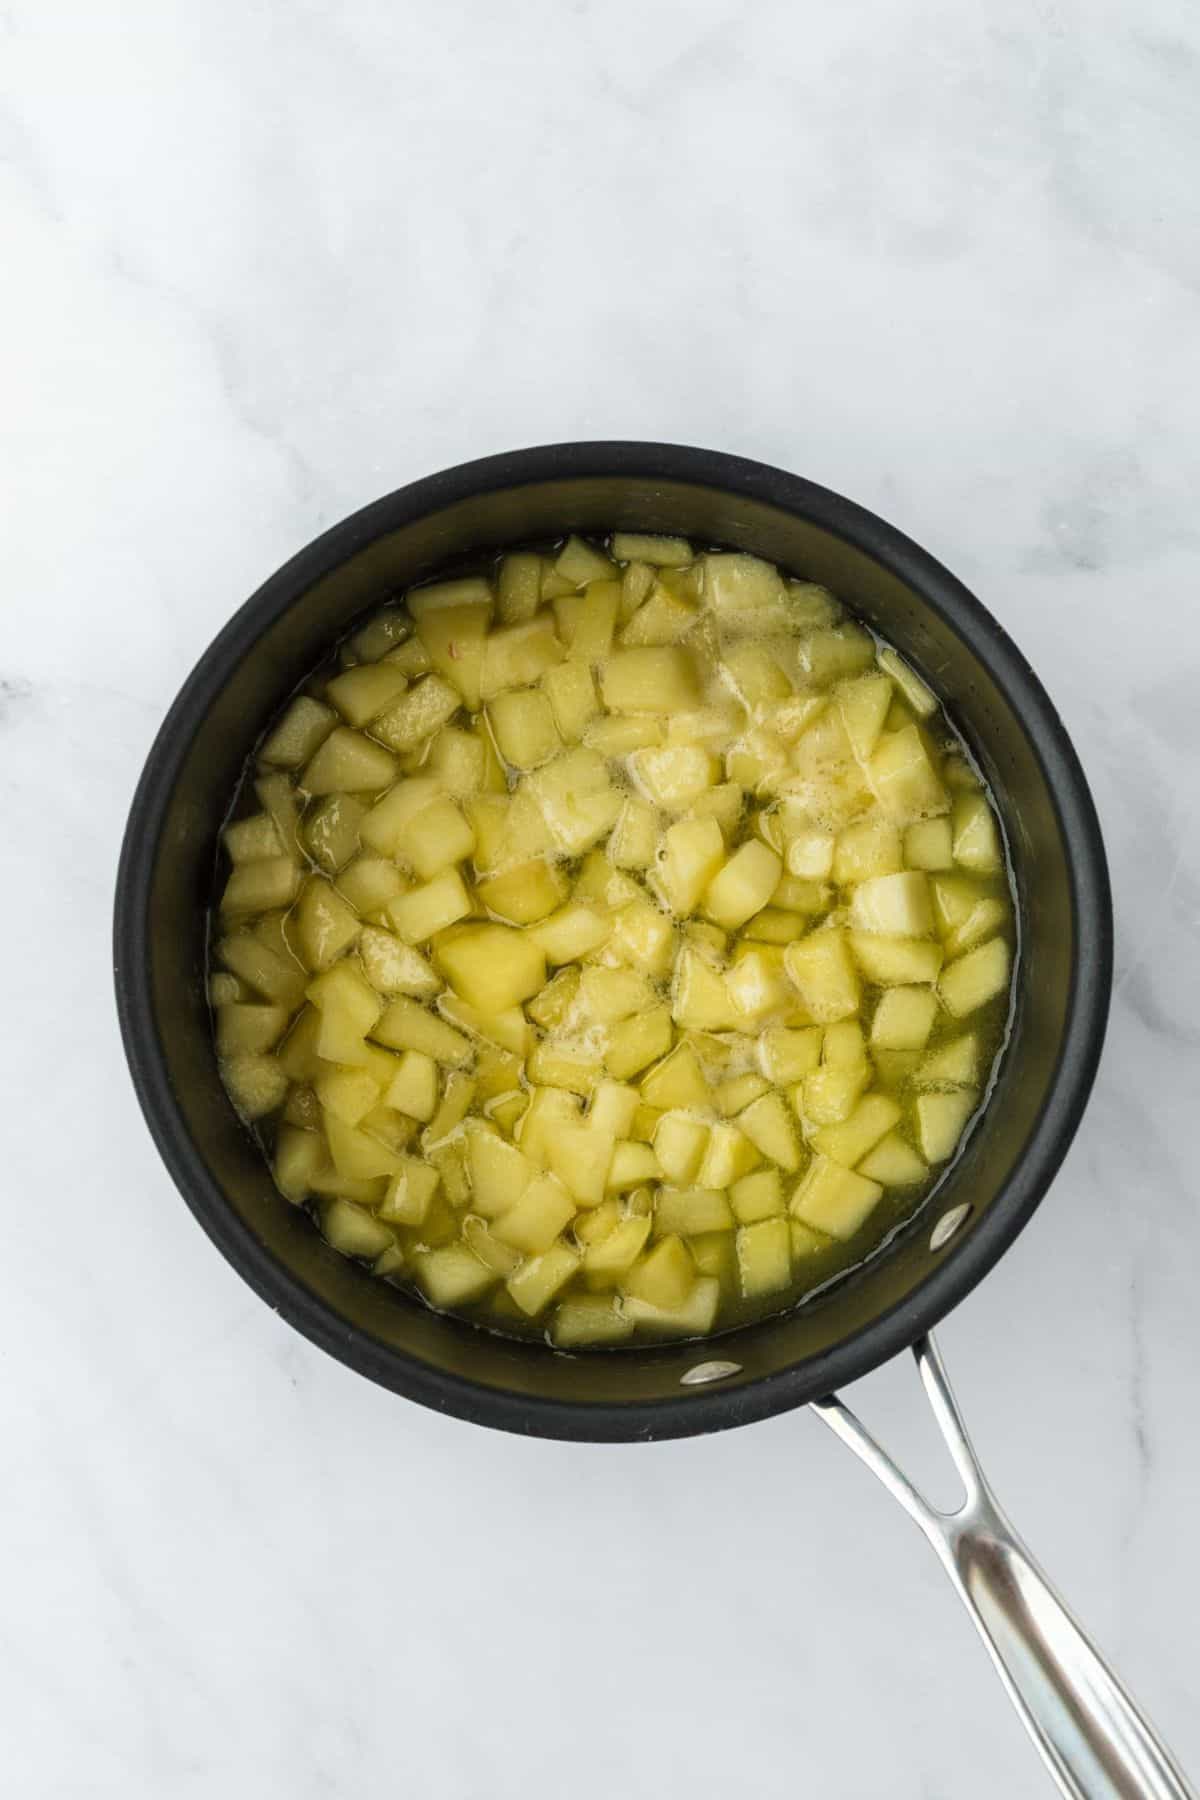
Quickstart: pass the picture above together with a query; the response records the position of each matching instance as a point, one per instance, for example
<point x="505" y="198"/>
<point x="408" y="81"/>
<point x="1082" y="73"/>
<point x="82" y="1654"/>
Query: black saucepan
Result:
<point x="1065" y="923"/>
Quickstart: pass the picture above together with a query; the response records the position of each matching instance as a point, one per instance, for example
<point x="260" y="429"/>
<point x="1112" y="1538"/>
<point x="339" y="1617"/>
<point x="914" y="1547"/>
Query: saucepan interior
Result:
<point x="166" y="880"/>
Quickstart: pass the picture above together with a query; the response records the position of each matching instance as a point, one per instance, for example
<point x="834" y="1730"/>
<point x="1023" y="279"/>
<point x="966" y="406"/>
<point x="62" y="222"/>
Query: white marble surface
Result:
<point x="263" y="262"/>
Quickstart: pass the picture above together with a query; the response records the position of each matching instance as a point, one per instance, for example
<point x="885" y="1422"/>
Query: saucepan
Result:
<point x="1092" y="1737"/>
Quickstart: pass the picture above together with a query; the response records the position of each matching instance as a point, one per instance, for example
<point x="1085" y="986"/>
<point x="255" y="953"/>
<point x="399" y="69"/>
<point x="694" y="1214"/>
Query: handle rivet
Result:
<point x="947" y="1225"/>
<point x="709" y="1371"/>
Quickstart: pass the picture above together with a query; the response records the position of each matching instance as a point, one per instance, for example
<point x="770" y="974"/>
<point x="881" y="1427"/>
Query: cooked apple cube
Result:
<point x="764" y="1257"/>
<point x="743" y="886"/>
<point x="757" y="985"/>
<point x="518" y="586"/>
<point x="393" y="967"/>
<point x="702" y="1001"/>
<point x="347" y="1092"/>
<point x="675" y="775"/>
<point x="679" y="1144"/>
<point x="407" y="1025"/>
<point x="928" y="845"/>
<point x="331" y="830"/>
<point x="353" y="1230"/>
<point x="362" y="693"/>
<point x="637" y="1042"/>
<point x="641" y="936"/>
<point x="974" y="979"/>
<point x="757" y="1196"/>
<point x="843" y="1045"/>
<point x="612" y="1108"/>
<point x="649" y="679"/>
<point x="533" y="1222"/>
<point x="810" y="854"/>
<point x="955" y="1064"/>
<point x="571" y="691"/>
<point x="274" y="976"/>
<point x="976" y="844"/>
<point x="348" y="762"/>
<point x="302" y="729"/>
<point x="298" y="1156"/>
<point x="452" y="1275"/>
<point x="910" y="684"/>
<point x="509" y="1029"/>
<point x="414" y="1087"/>
<point x="896" y="961"/>
<point x="324" y="925"/>
<point x="576" y="798"/>
<point x="694" y="1318"/>
<point x="893" y="1163"/>
<point x="536" y="1282"/>
<point x="786" y="1055"/>
<point x="735" y="1094"/>
<point x="250" y="840"/>
<point x="820" y="968"/>
<point x="571" y="933"/>
<point x="663" y="618"/>
<point x="677" y="1081"/>
<point x="522" y="722"/>
<point x="260" y="886"/>
<point x="635" y="836"/>
<point x="437" y="837"/>
<point x="693" y="852"/>
<point x="455" y="640"/>
<point x="589" y="1319"/>
<point x="410" y="1191"/>
<point x="903" y="1019"/>
<point x="549" y="1108"/>
<point x="417" y="714"/>
<point x="458" y="761"/>
<point x="905" y="779"/>
<point x="551" y="1006"/>
<point x="499" y="1173"/>
<point x="728" y="1154"/>
<point x="358" y="1155"/>
<point x="349" y="1008"/>
<point x="848" y="1142"/>
<point x="691" y="1211"/>
<point x="586" y="621"/>
<point x="385" y="826"/>
<point x="941" y="1118"/>
<point x="662" y="552"/>
<point x="455" y="1103"/>
<point x="834" y="1200"/>
<point x="434" y="906"/>
<point x="864" y="705"/>
<point x="829" y="1095"/>
<point x="893" y="905"/>
<point x="767" y="1124"/>
<point x="735" y="583"/>
<point x="580" y="1155"/>
<point x="524" y="894"/>
<point x="516" y="656"/>
<point x="492" y="966"/>
<point x="256" y="1083"/>
<point x="369" y="883"/>
<point x="663" y="1276"/>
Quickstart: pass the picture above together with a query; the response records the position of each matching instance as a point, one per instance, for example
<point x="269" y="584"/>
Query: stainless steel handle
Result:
<point x="1095" y="1741"/>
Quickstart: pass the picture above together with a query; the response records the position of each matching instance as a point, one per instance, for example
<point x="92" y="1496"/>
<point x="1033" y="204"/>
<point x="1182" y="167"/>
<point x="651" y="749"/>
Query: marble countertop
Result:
<point x="265" y="262"/>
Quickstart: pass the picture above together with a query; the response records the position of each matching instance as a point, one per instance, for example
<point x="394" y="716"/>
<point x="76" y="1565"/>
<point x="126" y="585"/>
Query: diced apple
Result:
<point x="664" y="1276"/>
<point x="735" y="583"/>
<point x="581" y="1156"/>
<point x="571" y="691"/>
<point x="955" y="1064"/>
<point x="414" y="1087"/>
<point x="523" y="725"/>
<point x="548" y="1109"/>
<point x="536" y="1282"/>
<point x="820" y="968"/>
<point x="349" y="1008"/>
<point x="928" y="845"/>
<point x="893" y="905"/>
<point x="417" y="714"/>
<point x="757" y="1196"/>
<point x="910" y="684"/>
<point x="256" y="1083"/>
<point x="974" y="979"/>
<point x="834" y="1200"/>
<point x="385" y="826"/>
<point x="518" y="586"/>
<point x="701" y="1000"/>
<point x="864" y="706"/>
<point x="393" y="967"/>
<point x="729" y="1154"/>
<point x="452" y="1275"/>
<point x="848" y="1142"/>
<point x="896" y="961"/>
<point x="353" y="1231"/>
<point x="589" y="1319"/>
<point x="533" y="1222"/>
<point x="569" y="934"/>
<point x="677" y="1081"/>
<point x="525" y="893"/>
<point x="516" y="656"/>
<point x="299" y="733"/>
<point x="260" y="886"/>
<point x="767" y="1124"/>
<point x="637" y="1042"/>
<point x="735" y="1094"/>
<point x="786" y="1055"/>
<point x="407" y="1025"/>
<point x="829" y="1095"/>
<point x="662" y="552"/>
<point x="659" y="679"/>
<point x="693" y="852"/>
<point x="893" y="1163"/>
<point x="410" y="1192"/>
<point x="903" y="1018"/>
<point x="743" y="886"/>
<point x="361" y="693"/>
<point x="905" y="779"/>
<point x="633" y="1165"/>
<point x="455" y="640"/>
<point x="551" y="1006"/>
<point x="764" y="1257"/>
<point x="940" y="1119"/>
<point x="457" y="1096"/>
<point x="576" y="798"/>
<point x="976" y="844"/>
<point x="757" y="985"/>
<point x="347" y="1092"/>
<point x="694" y="1318"/>
<point x="679" y="1144"/>
<point x="499" y="1173"/>
<point x="434" y="906"/>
